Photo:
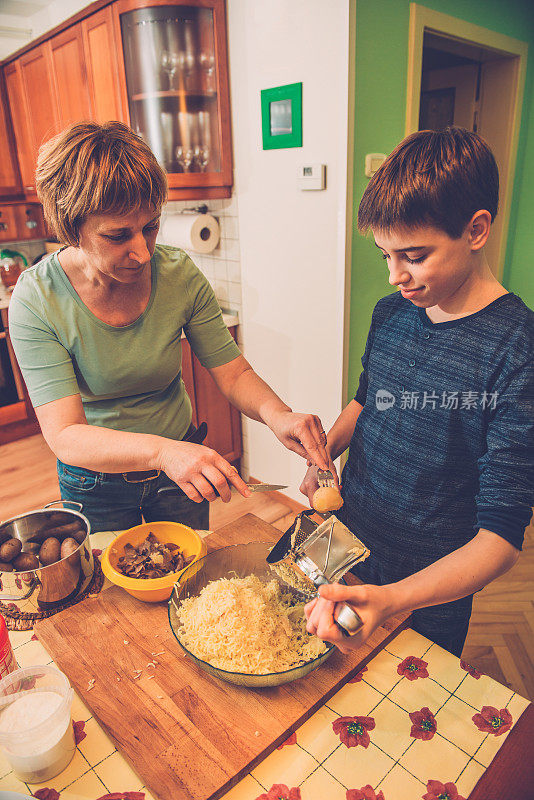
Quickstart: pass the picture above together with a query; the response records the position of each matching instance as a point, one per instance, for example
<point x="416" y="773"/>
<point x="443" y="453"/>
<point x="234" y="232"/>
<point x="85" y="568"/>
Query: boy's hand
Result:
<point x="310" y="483"/>
<point x="371" y="603"/>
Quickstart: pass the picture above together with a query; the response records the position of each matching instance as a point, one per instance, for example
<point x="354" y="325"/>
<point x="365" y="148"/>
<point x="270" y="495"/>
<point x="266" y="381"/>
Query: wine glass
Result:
<point x="170" y="61"/>
<point x="207" y="62"/>
<point x="201" y="156"/>
<point x="184" y="156"/>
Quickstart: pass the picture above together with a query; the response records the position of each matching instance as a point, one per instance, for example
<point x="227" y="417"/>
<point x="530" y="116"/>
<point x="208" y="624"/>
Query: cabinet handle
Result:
<point x="3" y="226"/>
<point x="31" y="223"/>
<point x="29" y="188"/>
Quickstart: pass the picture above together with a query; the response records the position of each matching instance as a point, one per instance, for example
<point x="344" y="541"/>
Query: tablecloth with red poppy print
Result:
<point x="417" y="722"/>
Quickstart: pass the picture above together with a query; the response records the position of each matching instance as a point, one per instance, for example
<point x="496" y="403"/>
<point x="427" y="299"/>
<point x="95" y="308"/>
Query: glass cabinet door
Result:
<point x="171" y="81"/>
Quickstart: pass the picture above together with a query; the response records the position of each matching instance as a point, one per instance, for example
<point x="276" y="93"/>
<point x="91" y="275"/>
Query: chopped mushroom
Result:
<point x="152" y="559"/>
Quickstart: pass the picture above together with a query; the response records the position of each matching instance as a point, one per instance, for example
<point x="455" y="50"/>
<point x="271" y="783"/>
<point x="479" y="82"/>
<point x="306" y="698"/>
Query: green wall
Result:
<point x="380" y="114"/>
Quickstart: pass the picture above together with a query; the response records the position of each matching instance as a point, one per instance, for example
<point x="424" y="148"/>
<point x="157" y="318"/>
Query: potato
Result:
<point x="5" y="566"/>
<point x="79" y="535"/>
<point x="68" y="547"/>
<point x="327" y="498"/>
<point x="25" y="562"/>
<point x="10" y="549"/>
<point x="50" y="551"/>
<point x="31" y="547"/>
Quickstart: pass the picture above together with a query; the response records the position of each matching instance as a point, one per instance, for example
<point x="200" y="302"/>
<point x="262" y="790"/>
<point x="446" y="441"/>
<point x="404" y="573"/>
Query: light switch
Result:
<point x="312" y="177"/>
<point x="372" y="162"/>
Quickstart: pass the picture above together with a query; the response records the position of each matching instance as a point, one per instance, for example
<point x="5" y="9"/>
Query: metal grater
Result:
<point x="309" y="555"/>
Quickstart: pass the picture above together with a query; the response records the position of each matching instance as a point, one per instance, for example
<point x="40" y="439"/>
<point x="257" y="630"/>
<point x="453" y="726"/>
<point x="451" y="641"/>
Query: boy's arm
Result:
<point x="456" y="575"/>
<point x="337" y="441"/>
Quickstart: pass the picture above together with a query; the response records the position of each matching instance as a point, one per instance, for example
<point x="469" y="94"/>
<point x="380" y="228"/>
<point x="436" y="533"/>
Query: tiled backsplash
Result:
<point x="222" y="267"/>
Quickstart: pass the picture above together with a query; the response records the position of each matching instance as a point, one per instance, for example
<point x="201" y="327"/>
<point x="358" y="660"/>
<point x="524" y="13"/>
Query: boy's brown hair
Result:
<point x="96" y="169"/>
<point x="432" y="178"/>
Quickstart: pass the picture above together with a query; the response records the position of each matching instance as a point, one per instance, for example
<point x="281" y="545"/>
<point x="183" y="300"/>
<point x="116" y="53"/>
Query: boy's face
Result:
<point x="428" y="266"/>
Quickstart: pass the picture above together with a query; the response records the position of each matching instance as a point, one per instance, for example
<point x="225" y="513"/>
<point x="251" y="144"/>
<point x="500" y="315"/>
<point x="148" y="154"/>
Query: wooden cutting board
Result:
<point x="187" y="735"/>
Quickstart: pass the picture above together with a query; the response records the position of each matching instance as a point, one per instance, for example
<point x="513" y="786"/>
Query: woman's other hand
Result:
<point x="301" y="433"/>
<point x="370" y="602"/>
<point x="201" y="472"/>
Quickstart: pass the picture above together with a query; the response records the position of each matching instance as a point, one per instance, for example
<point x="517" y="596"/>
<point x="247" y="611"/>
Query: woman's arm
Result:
<point x="194" y="468"/>
<point x="458" y="574"/>
<point x="301" y="433"/>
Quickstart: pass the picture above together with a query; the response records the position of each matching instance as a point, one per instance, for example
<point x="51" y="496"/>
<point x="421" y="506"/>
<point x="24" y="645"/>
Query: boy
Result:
<point x="439" y="477"/>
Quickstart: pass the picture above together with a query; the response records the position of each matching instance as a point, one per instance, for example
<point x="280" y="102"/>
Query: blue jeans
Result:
<point x="112" y="504"/>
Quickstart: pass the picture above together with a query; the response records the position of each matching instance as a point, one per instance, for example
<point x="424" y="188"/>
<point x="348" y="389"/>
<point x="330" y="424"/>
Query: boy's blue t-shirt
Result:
<point x="444" y="444"/>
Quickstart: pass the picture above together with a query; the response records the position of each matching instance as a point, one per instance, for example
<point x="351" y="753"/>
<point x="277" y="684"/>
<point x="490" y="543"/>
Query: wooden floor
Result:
<point x="501" y="635"/>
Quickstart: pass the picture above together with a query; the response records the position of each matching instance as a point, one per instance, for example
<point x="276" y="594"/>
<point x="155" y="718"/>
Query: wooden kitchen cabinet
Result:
<point x="9" y="169"/>
<point x="102" y="68"/>
<point x="17" y="419"/>
<point x="30" y="221"/>
<point x="212" y="407"/>
<point x="69" y="77"/>
<point x="17" y="107"/>
<point x="8" y="224"/>
<point x="39" y="100"/>
<point x="174" y="81"/>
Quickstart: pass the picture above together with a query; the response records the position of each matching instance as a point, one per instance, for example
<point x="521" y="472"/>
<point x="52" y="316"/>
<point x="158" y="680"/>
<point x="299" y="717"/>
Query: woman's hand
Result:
<point x="201" y="472"/>
<point x="301" y="433"/>
<point x="370" y="602"/>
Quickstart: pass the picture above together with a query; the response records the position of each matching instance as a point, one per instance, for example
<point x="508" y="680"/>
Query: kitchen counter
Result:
<point x="415" y="714"/>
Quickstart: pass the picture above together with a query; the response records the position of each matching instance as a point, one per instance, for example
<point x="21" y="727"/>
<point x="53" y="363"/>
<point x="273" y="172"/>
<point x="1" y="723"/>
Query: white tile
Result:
<point x="234" y="293"/>
<point x="219" y="267"/>
<point x="234" y="271"/>
<point x="229" y="227"/>
<point x="221" y="292"/>
<point x="232" y="250"/>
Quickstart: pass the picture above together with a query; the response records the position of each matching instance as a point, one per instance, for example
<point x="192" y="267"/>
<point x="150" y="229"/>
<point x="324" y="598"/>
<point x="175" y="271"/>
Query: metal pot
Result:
<point x="46" y="588"/>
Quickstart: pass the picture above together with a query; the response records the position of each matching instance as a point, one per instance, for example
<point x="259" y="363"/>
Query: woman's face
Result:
<point x="120" y="247"/>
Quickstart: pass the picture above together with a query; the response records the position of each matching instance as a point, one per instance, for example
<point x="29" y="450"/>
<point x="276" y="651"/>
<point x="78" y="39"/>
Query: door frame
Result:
<point x="425" y="19"/>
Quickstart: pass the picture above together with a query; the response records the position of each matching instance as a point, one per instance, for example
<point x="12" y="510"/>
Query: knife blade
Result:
<point x="254" y="487"/>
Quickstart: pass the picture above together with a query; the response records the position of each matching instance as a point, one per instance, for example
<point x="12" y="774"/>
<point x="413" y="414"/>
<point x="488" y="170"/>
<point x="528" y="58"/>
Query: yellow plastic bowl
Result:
<point x="151" y="590"/>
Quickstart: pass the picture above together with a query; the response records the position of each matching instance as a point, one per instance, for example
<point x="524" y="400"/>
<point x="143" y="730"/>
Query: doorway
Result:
<point x="462" y="74"/>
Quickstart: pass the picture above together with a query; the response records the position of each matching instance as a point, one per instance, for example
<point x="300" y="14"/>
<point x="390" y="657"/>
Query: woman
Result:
<point x="96" y="329"/>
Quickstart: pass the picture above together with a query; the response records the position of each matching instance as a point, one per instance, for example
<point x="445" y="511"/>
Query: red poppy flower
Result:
<point x="354" y="730"/>
<point x="471" y="670"/>
<point x="413" y="668"/>
<point x="358" y="677"/>
<point x="46" y="794"/>
<point x="279" y="791"/>
<point x="439" y="791"/>
<point x="290" y="740"/>
<point x="79" y="732"/>
<point x="365" y="793"/>
<point x="424" y="724"/>
<point x="123" y="796"/>
<point x="18" y="583"/>
<point x="96" y="552"/>
<point x="34" y="638"/>
<point x="490" y="720"/>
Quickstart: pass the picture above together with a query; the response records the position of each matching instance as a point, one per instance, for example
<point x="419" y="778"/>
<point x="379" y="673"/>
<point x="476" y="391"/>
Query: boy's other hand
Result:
<point x="371" y="603"/>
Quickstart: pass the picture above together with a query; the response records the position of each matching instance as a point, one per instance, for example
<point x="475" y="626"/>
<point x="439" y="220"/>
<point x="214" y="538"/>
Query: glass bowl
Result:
<point x="236" y="561"/>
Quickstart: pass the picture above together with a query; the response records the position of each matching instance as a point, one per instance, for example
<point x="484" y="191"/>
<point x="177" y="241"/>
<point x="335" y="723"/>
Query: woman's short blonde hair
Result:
<point x="96" y="169"/>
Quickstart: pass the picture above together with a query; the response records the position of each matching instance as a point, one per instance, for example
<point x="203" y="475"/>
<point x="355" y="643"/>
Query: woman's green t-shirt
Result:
<point x="130" y="377"/>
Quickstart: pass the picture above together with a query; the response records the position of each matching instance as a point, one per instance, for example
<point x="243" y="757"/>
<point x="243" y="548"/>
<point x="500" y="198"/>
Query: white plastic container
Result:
<point x="36" y="732"/>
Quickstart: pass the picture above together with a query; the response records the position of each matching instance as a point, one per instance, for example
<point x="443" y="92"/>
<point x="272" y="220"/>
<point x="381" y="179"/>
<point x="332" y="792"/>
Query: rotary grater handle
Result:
<point x="345" y="616"/>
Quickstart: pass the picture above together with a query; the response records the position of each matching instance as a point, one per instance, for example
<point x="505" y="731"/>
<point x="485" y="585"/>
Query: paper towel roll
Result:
<point x="199" y="232"/>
